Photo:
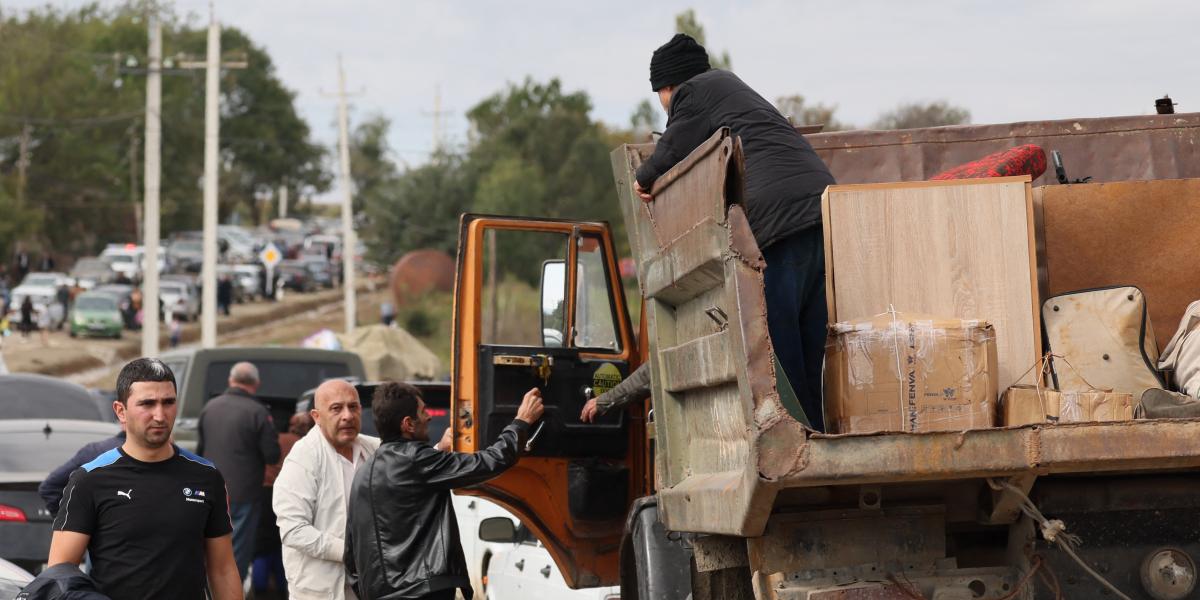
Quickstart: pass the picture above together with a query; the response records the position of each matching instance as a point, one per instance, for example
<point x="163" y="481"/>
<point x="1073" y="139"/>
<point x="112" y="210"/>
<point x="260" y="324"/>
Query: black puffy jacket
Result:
<point x="401" y="534"/>
<point x="784" y="177"/>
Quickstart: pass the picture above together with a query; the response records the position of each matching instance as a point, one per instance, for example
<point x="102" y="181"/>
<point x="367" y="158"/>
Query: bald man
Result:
<point x="237" y="434"/>
<point x="311" y="494"/>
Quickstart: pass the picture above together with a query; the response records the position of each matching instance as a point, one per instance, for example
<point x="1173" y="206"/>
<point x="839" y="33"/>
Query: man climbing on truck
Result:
<point x="783" y="187"/>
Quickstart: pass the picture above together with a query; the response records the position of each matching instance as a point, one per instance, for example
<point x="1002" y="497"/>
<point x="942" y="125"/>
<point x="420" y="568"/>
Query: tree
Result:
<point x="644" y="120"/>
<point x="371" y="165"/>
<point x="417" y="209"/>
<point x="799" y="112"/>
<point x="686" y="22"/>
<point x="929" y="114"/>
<point x="72" y="93"/>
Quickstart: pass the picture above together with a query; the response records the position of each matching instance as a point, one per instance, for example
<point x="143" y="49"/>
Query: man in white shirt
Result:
<point x="311" y="494"/>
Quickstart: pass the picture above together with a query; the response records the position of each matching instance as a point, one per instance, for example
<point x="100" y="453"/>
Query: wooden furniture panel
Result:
<point x="961" y="249"/>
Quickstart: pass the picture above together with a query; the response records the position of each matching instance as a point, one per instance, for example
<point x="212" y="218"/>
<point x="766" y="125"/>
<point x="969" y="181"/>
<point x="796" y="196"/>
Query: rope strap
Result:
<point x="1055" y="532"/>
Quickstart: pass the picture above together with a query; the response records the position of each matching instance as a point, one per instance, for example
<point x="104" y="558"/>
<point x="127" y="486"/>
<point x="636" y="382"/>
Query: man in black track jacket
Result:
<point x="401" y="533"/>
<point x="784" y="183"/>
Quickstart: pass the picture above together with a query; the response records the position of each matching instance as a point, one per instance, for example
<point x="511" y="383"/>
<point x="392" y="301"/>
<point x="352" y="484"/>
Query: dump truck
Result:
<point x="715" y="487"/>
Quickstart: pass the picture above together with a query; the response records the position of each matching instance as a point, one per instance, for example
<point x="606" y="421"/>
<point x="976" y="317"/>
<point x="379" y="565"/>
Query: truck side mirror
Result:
<point x="554" y="303"/>
<point x="498" y="529"/>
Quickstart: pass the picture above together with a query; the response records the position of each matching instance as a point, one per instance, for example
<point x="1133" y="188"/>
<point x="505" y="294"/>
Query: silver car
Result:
<point x="180" y="298"/>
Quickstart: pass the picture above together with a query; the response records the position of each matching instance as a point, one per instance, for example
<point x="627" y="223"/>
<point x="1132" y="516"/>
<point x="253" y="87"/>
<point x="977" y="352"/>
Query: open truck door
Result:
<point x="539" y="303"/>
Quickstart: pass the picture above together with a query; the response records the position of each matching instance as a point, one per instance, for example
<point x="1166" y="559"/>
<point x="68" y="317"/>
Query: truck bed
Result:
<point x="726" y="441"/>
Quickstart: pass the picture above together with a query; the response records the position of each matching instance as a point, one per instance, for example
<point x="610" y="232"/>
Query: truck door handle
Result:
<point x="545" y="571"/>
<point x="520" y="565"/>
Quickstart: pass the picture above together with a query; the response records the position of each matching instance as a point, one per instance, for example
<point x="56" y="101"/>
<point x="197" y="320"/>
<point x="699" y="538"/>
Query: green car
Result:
<point x="96" y="313"/>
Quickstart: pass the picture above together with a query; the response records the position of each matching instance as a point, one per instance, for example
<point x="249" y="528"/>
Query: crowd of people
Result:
<point x="321" y="510"/>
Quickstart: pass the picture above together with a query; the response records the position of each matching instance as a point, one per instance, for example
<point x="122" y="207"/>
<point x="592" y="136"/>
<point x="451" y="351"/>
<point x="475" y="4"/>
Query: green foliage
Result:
<point x="927" y="114"/>
<point x="75" y="81"/>
<point x="686" y="22"/>
<point x="418" y="209"/>
<point x="371" y="166"/>
<point x="800" y="112"/>
<point x="535" y="152"/>
<point x="419" y="322"/>
<point x="644" y="120"/>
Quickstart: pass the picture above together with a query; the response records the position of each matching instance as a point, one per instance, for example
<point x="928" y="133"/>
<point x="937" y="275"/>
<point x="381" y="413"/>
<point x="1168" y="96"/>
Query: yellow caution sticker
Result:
<point x="605" y="378"/>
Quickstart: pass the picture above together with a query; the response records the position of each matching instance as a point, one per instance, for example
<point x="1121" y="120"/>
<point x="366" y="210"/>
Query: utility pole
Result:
<point x="152" y="175"/>
<point x="212" y="124"/>
<point x="437" y="114"/>
<point x="348" y="241"/>
<point x="283" y="201"/>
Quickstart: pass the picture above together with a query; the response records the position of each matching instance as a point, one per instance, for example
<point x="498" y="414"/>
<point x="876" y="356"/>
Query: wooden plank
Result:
<point x="951" y="249"/>
<point x="1141" y="233"/>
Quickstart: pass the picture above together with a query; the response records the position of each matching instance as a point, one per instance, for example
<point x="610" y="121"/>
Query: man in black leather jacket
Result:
<point x="401" y="533"/>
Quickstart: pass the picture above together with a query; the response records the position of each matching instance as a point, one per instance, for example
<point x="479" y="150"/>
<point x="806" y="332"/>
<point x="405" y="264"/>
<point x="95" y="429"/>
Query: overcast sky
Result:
<point x="1004" y="61"/>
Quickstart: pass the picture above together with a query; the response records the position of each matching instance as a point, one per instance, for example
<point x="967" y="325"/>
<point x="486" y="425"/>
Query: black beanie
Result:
<point x="677" y="61"/>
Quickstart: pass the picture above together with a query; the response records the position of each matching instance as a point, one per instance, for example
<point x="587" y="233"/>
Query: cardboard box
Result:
<point x="1026" y="404"/>
<point x="911" y="373"/>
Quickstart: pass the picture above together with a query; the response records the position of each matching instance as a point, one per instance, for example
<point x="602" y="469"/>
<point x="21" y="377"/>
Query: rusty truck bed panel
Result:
<point x="1042" y="450"/>
<point x="1106" y="149"/>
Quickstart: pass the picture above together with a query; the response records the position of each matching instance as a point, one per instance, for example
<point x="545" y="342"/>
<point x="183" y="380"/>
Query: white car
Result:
<point x="181" y="298"/>
<point x="470" y="511"/>
<point x="42" y="288"/>
<point x="523" y="568"/>
<point x="250" y="278"/>
<point x="125" y="259"/>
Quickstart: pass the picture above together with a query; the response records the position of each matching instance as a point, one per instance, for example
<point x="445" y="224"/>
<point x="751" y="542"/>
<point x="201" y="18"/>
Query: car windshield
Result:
<point x="167" y="288"/>
<point x="104" y="302"/>
<point x="120" y="258"/>
<point x="187" y="246"/>
<point x="41" y="280"/>
<point x="43" y="447"/>
<point x="93" y="265"/>
<point x="35" y="397"/>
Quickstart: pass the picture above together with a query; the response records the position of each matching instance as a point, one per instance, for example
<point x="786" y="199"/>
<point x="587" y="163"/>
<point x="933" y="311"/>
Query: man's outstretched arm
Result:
<point x="454" y="469"/>
<point x="687" y="128"/>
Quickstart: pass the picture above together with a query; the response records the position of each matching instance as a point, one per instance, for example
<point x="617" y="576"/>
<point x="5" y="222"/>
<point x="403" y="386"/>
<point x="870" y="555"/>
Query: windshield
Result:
<point x="41" y="280"/>
<point x="187" y="246"/>
<point x="90" y="266"/>
<point x="95" y="303"/>
<point x="120" y="258"/>
<point x="171" y="289"/>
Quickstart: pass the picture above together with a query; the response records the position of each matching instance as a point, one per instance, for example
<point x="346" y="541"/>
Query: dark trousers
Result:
<point x="797" y="316"/>
<point x="245" y="523"/>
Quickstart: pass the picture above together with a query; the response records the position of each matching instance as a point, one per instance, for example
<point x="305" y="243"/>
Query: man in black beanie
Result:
<point x="784" y="183"/>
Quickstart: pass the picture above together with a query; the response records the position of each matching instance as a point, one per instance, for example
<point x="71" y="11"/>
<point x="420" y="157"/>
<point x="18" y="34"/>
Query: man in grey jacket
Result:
<point x="238" y="435"/>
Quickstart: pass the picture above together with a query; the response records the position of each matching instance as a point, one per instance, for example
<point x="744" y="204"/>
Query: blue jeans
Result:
<point x="245" y="523"/>
<point x="268" y="568"/>
<point x="797" y="316"/>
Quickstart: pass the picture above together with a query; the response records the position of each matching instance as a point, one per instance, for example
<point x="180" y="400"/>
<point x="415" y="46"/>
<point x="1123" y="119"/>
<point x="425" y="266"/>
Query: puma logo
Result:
<point x="126" y="494"/>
